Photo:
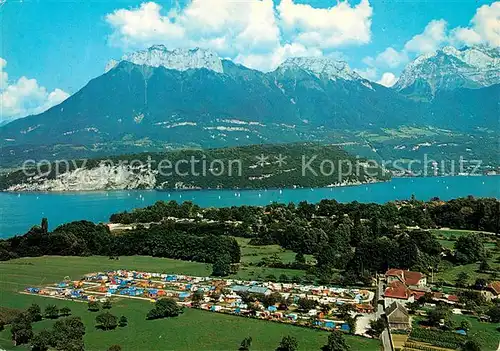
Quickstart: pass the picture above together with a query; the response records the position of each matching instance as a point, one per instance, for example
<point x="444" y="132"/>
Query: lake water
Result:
<point x="18" y="212"/>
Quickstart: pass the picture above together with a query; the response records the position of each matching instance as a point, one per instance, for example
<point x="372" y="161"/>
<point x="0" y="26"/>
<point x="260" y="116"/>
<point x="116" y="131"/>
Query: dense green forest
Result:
<point x="85" y="238"/>
<point x="462" y="213"/>
<point x="236" y="167"/>
<point x="359" y="239"/>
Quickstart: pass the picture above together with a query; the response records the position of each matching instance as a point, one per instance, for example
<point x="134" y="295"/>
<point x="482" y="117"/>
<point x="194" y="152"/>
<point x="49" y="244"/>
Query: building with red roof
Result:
<point x="494" y="287"/>
<point x="408" y="278"/>
<point x="398" y="292"/>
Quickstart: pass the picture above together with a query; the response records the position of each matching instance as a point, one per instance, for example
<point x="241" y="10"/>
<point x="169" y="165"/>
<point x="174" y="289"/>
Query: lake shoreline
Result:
<point x="20" y="211"/>
<point x="187" y="189"/>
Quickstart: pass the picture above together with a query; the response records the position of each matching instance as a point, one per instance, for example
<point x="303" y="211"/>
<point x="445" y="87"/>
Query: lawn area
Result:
<point x="194" y="330"/>
<point x="253" y="254"/>
<point x="450" y="275"/>
<point x="486" y="333"/>
<point x="447" y="238"/>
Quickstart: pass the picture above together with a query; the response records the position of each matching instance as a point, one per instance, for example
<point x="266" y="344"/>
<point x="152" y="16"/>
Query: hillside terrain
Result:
<point x="159" y="99"/>
<point x="257" y="167"/>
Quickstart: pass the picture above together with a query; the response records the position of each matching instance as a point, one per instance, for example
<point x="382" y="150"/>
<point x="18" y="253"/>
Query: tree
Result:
<point x="469" y="249"/>
<point x="288" y="343"/>
<point x="42" y="341"/>
<point x="336" y="342"/>
<point x="51" y="312"/>
<point x="93" y="306"/>
<point x="484" y="266"/>
<point x="34" y="312"/>
<point x="68" y="334"/>
<point x="21" y="329"/>
<point x="377" y="327"/>
<point x="271" y="299"/>
<point x="115" y="348"/>
<point x="45" y="225"/>
<point x="165" y="307"/>
<point x="65" y="311"/>
<point x="123" y="321"/>
<point x="462" y="280"/>
<point x="106" y="305"/>
<point x="221" y="266"/>
<point x="245" y="344"/>
<point x="345" y="310"/>
<point x="197" y="298"/>
<point x="465" y="325"/>
<point x="306" y="304"/>
<point x="300" y="258"/>
<point x="494" y="313"/>
<point x="106" y="321"/>
<point x="471" y="345"/>
<point x="438" y="315"/>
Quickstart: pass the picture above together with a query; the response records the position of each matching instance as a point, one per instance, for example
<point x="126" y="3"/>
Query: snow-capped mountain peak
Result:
<point x="321" y="67"/>
<point x="450" y="68"/>
<point x="178" y="59"/>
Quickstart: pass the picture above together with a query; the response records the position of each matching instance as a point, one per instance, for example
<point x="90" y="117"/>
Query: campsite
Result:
<point x="180" y="333"/>
<point x="216" y="295"/>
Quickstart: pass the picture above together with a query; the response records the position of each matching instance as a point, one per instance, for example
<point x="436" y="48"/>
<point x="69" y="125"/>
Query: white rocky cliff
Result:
<point x="178" y="59"/>
<point x="103" y="177"/>
<point x="321" y="67"/>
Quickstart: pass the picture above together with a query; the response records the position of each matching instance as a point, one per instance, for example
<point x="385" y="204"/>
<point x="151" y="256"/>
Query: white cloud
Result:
<point x="25" y="97"/>
<point x="390" y="57"/>
<point x="369" y="73"/>
<point x="388" y="79"/>
<point x="327" y="28"/>
<point x="256" y="33"/>
<point x="485" y="27"/>
<point x="271" y="60"/>
<point x="467" y="36"/>
<point x="433" y="37"/>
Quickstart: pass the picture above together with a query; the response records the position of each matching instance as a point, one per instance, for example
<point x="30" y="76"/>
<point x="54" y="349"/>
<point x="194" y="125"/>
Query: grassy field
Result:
<point x="194" y="330"/>
<point x="447" y="238"/>
<point x="252" y="254"/>
<point x="486" y="333"/>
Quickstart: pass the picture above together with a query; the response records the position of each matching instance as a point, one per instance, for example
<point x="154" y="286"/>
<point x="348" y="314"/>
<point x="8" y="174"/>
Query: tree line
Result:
<point x="481" y="214"/>
<point x="84" y="238"/>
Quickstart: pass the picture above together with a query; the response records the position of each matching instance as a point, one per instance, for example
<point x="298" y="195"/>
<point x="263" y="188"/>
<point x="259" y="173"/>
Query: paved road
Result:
<point x="385" y="337"/>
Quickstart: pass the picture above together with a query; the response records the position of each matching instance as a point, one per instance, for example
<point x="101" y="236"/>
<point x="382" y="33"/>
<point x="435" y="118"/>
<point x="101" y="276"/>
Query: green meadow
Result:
<point x="193" y="330"/>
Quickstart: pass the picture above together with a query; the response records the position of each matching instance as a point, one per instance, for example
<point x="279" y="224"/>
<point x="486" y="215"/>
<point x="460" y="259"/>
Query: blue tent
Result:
<point x="272" y="308"/>
<point x="330" y="325"/>
<point x="345" y="327"/>
<point x="461" y="332"/>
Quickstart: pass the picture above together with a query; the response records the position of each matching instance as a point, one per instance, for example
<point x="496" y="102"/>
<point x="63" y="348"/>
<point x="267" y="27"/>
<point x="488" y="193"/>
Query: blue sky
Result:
<point x="58" y="46"/>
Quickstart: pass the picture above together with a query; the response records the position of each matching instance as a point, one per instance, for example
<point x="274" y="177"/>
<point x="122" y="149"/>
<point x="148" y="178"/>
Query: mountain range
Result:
<point x="158" y="99"/>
